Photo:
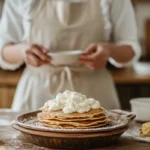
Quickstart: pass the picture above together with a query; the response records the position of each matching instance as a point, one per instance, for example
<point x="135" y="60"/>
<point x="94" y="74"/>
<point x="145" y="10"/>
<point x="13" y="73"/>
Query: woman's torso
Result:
<point x="65" y="26"/>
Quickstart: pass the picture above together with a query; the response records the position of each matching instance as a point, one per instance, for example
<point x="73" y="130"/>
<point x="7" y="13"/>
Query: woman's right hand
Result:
<point x="36" y="55"/>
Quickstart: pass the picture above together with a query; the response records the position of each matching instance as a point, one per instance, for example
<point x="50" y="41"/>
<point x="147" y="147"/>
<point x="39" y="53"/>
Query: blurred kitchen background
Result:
<point x="131" y="82"/>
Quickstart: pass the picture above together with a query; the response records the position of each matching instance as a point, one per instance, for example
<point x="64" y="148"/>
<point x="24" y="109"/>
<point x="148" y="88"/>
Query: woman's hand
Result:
<point x="95" y="56"/>
<point x="36" y="55"/>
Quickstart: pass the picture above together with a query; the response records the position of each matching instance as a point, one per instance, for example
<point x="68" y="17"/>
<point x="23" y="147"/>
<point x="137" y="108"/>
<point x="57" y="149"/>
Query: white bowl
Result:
<point x="141" y="106"/>
<point x="65" y="57"/>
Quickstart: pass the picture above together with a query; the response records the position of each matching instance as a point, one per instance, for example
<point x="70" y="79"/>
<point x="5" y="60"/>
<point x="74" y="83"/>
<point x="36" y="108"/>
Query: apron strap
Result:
<point x="62" y="73"/>
<point x="65" y="73"/>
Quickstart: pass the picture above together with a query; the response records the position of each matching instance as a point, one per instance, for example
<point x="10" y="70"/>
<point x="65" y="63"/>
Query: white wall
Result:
<point x="142" y="13"/>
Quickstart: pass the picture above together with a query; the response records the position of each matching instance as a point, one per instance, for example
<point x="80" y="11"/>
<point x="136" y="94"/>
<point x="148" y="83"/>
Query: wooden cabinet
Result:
<point x="8" y="83"/>
<point x="6" y="96"/>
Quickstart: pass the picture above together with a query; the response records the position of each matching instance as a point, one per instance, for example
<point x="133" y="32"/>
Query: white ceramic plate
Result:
<point x="134" y="131"/>
<point x="65" y="57"/>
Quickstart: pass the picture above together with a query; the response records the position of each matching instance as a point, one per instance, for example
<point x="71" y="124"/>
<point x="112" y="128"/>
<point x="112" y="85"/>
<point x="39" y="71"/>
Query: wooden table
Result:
<point x="138" y="74"/>
<point x="15" y="140"/>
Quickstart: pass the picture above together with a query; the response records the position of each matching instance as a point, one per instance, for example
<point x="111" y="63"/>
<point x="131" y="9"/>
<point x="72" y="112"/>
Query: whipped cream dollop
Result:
<point x="70" y="102"/>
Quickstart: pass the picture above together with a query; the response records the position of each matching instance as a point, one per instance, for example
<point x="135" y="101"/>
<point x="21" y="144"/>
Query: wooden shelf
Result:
<point x="140" y="74"/>
<point x="140" y="1"/>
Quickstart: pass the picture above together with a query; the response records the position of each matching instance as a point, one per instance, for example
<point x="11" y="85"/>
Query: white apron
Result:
<point x="65" y="26"/>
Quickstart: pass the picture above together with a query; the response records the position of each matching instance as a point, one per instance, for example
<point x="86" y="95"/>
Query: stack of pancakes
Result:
<point x="57" y="119"/>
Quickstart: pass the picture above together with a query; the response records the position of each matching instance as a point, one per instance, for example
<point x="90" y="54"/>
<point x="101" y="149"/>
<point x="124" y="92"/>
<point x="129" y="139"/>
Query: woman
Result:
<point x="31" y="28"/>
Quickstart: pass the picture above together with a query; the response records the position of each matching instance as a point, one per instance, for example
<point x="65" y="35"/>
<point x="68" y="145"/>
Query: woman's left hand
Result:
<point x="95" y="56"/>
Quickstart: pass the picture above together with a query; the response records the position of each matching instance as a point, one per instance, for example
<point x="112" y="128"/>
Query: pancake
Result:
<point x="43" y="116"/>
<point x="60" y="114"/>
<point x="81" y="123"/>
<point x="58" y="119"/>
<point x="70" y="126"/>
<point x="75" y="124"/>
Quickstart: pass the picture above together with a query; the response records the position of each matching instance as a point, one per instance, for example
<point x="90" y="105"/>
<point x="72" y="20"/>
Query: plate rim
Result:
<point x="68" y="135"/>
<point x="46" y="129"/>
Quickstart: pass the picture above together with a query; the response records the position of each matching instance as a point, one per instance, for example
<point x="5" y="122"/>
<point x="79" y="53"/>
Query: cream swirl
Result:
<point x="70" y="102"/>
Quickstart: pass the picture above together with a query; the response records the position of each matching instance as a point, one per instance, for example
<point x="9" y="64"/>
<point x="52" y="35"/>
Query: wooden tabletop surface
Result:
<point x="15" y="140"/>
<point x="139" y="74"/>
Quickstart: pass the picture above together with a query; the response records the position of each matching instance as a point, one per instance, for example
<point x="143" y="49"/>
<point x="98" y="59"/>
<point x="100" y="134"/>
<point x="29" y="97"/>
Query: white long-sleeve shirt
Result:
<point x="118" y="16"/>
